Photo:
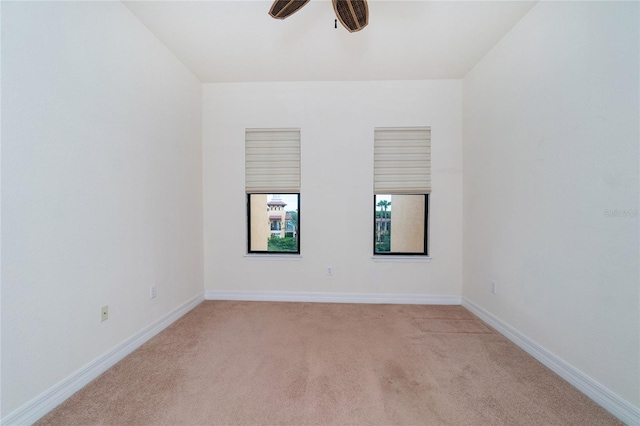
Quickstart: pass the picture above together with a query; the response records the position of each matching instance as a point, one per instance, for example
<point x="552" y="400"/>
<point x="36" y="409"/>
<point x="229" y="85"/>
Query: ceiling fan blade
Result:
<point x="353" y="14"/>
<point x="281" y="9"/>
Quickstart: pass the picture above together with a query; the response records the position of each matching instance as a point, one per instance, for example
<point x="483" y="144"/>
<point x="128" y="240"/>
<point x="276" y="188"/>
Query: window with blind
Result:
<point x="402" y="184"/>
<point x="272" y="185"/>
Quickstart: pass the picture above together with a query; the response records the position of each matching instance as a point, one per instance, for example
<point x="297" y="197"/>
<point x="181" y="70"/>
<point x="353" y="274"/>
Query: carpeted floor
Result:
<point x="239" y="363"/>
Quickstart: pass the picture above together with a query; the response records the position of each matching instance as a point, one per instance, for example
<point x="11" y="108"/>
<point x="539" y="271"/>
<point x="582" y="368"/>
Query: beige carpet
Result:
<point x="265" y="363"/>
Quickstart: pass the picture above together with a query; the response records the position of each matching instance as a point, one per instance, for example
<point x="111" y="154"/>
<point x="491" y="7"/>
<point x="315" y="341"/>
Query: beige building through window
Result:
<point x="270" y="218"/>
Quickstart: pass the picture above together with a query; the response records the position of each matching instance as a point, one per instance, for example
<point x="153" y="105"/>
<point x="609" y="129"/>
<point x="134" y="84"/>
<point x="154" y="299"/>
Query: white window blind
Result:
<point x="272" y="161"/>
<point x="402" y="160"/>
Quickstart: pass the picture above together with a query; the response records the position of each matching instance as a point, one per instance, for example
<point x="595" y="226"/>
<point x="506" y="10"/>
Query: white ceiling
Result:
<point x="237" y="41"/>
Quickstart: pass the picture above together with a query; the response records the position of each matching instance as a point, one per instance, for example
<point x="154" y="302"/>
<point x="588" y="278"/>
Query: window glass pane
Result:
<point x="400" y="222"/>
<point x="274" y="223"/>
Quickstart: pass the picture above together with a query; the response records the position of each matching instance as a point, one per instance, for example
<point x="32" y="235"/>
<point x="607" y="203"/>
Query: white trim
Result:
<point x="401" y="259"/>
<point x="258" y="256"/>
<point x="622" y="409"/>
<point x="290" y="296"/>
<point x="35" y="409"/>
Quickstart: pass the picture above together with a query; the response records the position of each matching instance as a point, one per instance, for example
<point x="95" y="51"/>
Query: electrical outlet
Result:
<point x="152" y="291"/>
<point x="494" y="287"/>
<point x="104" y="313"/>
<point x="329" y="270"/>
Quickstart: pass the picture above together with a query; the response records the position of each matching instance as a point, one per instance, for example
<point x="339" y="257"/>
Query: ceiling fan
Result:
<point x="353" y="14"/>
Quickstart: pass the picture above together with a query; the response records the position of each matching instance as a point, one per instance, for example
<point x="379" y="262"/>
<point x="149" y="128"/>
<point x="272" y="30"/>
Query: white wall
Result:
<point x="551" y="133"/>
<point x="337" y="120"/>
<point x="102" y="192"/>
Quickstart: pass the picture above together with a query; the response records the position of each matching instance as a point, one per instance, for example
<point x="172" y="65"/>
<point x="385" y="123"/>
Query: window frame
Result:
<point x="425" y="253"/>
<point x="267" y="252"/>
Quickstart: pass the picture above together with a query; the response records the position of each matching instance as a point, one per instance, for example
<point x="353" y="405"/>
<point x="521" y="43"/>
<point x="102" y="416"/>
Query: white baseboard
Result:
<point x="48" y="400"/>
<point x="610" y="401"/>
<point x="288" y="296"/>
<point x="35" y="409"/>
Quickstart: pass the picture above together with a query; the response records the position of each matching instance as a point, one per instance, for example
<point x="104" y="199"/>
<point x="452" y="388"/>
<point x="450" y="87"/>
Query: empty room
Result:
<point x="323" y="212"/>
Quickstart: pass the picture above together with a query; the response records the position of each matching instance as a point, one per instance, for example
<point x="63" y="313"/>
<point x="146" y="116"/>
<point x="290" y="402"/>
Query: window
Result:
<point x="272" y="183"/>
<point x="273" y="230"/>
<point x="400" y="224"/>
<point x="402" y="183"/>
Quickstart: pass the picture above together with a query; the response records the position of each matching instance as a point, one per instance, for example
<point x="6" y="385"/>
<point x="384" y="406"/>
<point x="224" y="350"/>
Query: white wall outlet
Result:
<point x="152" y="291"/>
<point x="104" y="313"/>
<point x="329" y="270"/>
<point x="494" y="287"/>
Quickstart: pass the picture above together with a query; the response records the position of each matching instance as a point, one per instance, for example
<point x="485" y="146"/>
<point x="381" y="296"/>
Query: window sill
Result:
<point x="401" y="259"/>
<point x="257" y="256"/>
